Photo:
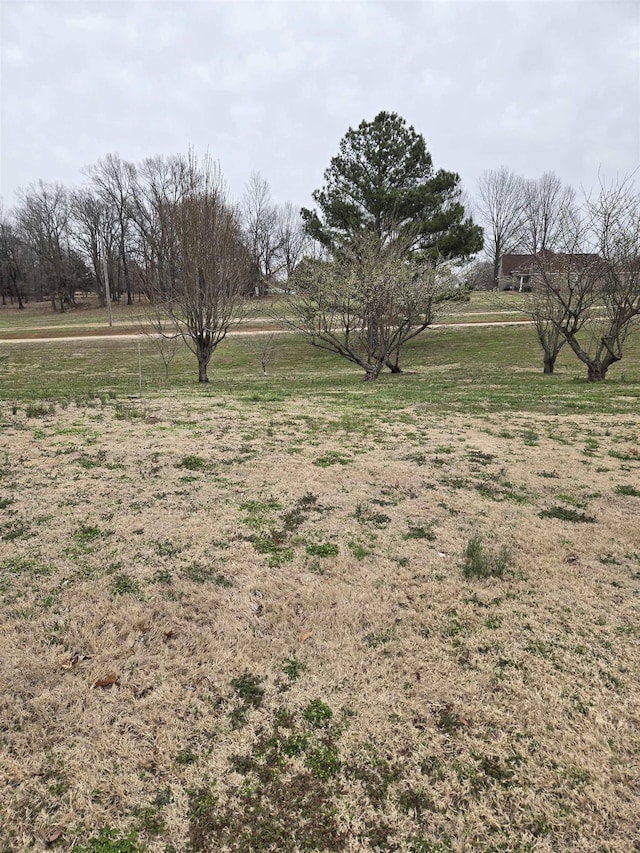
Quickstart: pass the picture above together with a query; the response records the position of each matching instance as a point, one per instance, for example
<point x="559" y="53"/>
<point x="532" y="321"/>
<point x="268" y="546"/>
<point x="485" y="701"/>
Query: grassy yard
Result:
<point x="303" y="612"/>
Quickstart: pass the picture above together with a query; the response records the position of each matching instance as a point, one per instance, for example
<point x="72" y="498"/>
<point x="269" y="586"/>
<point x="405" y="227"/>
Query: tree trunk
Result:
<point x="204" y="352"/>
<point x="550" y="361"/>
<point x="597" y="371"/>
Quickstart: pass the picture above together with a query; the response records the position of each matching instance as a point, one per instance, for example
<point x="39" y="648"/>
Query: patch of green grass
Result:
<point x="366" y="516"/>
<point x="273" y="545"/>
<point x="194" y="463"/>
<point x="110" y="840"/>
<point x="323" y="761"/>
<point x="166" y="548"/>
<point x="480" y="561"/>
<point x="150" y="820"/>
<point x="259" y="512"/>
<point x="628" y="490"/>
<point x="564" y="513"/>
<point x="124" y="584"/>
<point x="24" y="566"/>
<point x="419" y="531"/>
<point x="332" y="457"/>
<point x="293" y="668"/>
<point x="317" y="714"/>
<point x="322" y="549"/>
<point x="17" y="528"/>
<point x="186" y="756"/>
<point x="359" y="551"/>
<point x="248" y="688"/>
<point x="87" y="536"/>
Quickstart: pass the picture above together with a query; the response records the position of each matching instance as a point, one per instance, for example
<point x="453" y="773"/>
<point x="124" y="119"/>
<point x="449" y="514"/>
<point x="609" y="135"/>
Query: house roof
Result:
<point x="512" y="264"/>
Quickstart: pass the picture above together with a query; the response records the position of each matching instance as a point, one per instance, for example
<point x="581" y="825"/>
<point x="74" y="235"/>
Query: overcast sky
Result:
<point x="273" y="86"/>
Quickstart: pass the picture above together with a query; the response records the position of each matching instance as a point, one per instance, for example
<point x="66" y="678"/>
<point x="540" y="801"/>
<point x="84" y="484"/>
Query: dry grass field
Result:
<point x="232" y="626"/>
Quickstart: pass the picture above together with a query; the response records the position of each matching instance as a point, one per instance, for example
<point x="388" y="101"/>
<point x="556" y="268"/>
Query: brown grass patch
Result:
<point x="180" y="584"/>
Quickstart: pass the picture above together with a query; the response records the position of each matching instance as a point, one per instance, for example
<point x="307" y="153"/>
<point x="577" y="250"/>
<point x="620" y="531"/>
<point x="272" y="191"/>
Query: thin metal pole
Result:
<point x="107" y="291"/>
<point x="139" y="373"/>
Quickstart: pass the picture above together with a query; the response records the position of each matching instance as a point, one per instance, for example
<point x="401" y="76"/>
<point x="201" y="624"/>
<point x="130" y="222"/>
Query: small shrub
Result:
<point x="481" y="562"/>
<point x="39" y="410"/>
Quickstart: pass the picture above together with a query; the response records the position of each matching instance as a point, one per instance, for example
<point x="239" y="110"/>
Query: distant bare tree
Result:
<point x="198" y="270"/>
<point x="95" y="230"/>
<point x="480" y="276"/>
<point x="292" y="240"/>
<point x="43" y="223"/>
<point x="11" y="274"/>
<point x="547" y="204"/>
<point x="113" y="179"/>
<point x="261" y="227"/>
<point x="501" y="209"/>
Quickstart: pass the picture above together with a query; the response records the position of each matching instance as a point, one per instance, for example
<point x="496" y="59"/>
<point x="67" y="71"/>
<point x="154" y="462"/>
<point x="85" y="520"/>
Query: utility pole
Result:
<point x="105" y="272"/>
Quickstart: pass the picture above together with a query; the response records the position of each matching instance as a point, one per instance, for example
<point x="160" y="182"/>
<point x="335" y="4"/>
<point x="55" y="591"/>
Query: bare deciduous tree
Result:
<point x="260" y="221"/>
<point x="293" y="240"/>
<point x="198" y="266"/>
<point x="501" y="206"/>
<point x="43" y="222"/>
<point x="547" y="205"/>
<point x="11" y="275"/>
<point x="366" y="302"/>
<point x="95" y="231"/>
<point x="586" y="279"/>
<point x="113" y="179"/>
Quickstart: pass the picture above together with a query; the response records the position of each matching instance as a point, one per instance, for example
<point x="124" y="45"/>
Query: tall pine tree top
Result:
<point x="383" y="182"/>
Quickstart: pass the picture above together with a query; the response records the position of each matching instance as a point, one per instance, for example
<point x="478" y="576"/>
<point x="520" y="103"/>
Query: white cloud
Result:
<point x="273" y="86"/>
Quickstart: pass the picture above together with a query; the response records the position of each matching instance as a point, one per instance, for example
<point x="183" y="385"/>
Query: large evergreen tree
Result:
<point x="383" y="183"/>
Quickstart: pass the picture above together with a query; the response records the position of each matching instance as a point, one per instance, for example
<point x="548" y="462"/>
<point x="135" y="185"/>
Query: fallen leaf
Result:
<point x="305" y="635"/>
<point x="75" y="660"/>
<point x="50" y="836"/>
<point x="109" y="680"/>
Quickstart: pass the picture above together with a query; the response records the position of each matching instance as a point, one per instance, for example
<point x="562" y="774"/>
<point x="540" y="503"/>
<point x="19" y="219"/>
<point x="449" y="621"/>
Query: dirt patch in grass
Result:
<point x="259" y="652"/>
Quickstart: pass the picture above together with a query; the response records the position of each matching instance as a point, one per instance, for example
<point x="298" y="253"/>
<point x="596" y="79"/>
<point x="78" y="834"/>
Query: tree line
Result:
<point x="367" y="268"/>
<point x="59" y="241"/>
